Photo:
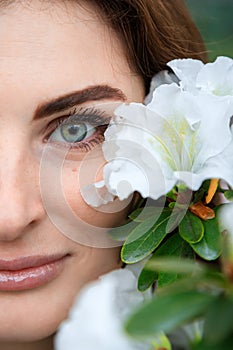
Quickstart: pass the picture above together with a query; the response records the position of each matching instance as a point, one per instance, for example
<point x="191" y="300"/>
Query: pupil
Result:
<point x="74" y="133"/>
<point x="73" y="130"/>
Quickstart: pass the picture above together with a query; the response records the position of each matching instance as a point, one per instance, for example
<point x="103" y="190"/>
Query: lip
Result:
<point x="29" y="272"/>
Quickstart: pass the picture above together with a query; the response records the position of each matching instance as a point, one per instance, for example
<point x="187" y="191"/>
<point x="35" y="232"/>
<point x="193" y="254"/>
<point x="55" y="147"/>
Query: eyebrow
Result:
<point x="92" y="93"/>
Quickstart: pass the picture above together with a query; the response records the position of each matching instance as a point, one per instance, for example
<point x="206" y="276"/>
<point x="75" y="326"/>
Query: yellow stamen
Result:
<point x="212" y="190"/>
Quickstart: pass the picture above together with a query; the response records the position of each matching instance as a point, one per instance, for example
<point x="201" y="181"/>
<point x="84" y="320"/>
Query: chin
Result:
<point x="29" y="316"/>
<point x="30" y="328"/>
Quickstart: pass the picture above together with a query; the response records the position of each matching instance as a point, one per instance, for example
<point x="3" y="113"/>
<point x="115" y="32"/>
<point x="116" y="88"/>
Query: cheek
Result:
<point x="76" y="176"/>
<point x="100" y="217"/>
<point x="80" y="173"/>
<point x="66" y="208"/>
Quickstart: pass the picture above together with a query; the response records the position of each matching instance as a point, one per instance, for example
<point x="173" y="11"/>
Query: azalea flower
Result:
<point x="225" y="218"/>
<point x="225" y="223"/>
<point x="214" y="78"/>
<point x="177" y="138"/>
<point x="163" y="77"/>
<point x="96" y="319"/>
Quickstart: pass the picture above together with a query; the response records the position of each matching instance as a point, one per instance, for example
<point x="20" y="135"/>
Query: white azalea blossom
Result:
<point x="96" y="319"/>
<point x="163" y="77"/>
<point x="177" y="138"/>
<point x="225" y="218"/>
<point x="183" y="135"/>
<point x="225" y="214"/>
<point x="214" y="78"/>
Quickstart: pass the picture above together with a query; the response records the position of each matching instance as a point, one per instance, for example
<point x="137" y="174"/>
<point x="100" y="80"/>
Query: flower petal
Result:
<point x="163" y="77"/>
<point x="217" y="77"/>
<point x="186" y="70"/>
<point x="180" y="136"/>
<point x="96" y="194"/>
<point x="96" y="319"/>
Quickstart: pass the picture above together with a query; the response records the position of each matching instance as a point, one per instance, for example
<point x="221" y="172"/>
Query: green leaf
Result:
<point x="146" y="279"/>
<point x="175" y="265"/>
<point x="120" y="233"/>
<point x="166" y="278"/>
<point x="171" y="269"/>
<point x="145" y="238"/>
<point x="191" y="228"/>
<point x="173" y="246"/>
<point x="218" y="323"/>
<point x="166" y="313"/>
<point x="226" y="344"/>
<point x="209" y="248"/>
<point x="172" y="194"/>
<point x="142" y="214"/>
<point x="198" y="196"/>
<point x="229" y="195"/>
<point x="178" y="213"/>
<point x="160" y="341"/>
<point x="171" y="205"/>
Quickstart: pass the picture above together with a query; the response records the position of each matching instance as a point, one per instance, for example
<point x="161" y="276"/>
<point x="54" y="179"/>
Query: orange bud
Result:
<point x="202" y="211"/>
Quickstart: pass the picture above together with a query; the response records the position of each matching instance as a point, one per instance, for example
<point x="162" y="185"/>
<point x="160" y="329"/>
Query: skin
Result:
<point x="48" y="51"/>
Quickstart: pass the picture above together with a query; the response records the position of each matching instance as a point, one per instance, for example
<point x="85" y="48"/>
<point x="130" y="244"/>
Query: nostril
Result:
<point x="32" y="224"/>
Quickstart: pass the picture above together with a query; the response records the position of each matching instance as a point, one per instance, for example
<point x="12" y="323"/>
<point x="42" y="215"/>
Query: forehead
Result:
<point x="53" y="47"/>
<point x="54" y="32"/>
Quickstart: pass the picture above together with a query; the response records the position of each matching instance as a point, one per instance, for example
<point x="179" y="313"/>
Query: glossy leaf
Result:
<point x="175" y="265"/>
<point x="209" y="248"/>
<point x="199" y="195"/>
<point x="145" y="238"/>
<point x="161" y="342"/>
<point x="146" y="279"/>
<point x="166" y="278"/>
<point x="167" y="312"/>
<point x="218" y="324"/>
<point x="229" y="195"/>
<point x="120" y="233"/>
<point x="172" y="194"/>
<point x="174" y="246"/>
<point x="142" y="214"/>
<point x="178" y="213"/>
<point x="191" y="228"/>
<point x="226" y="344"/>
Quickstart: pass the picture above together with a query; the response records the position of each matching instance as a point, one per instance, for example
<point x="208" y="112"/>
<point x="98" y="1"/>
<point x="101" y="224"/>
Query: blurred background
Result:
<point x="214" y="19"/>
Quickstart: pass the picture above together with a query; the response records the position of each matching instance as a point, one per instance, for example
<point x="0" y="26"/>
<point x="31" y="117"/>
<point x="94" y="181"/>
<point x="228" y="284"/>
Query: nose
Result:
<point x="20" y="201"/>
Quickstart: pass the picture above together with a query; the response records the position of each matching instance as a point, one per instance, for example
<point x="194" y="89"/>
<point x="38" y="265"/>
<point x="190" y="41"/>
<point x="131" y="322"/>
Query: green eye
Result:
<point x="72" y="132"/>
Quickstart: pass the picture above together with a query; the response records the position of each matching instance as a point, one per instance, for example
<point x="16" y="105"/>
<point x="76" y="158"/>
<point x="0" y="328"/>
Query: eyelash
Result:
<point x="96" y="118"/>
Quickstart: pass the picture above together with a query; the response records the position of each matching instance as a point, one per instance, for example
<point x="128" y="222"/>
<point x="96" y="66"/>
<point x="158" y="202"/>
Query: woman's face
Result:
<point x="56" y="59"/>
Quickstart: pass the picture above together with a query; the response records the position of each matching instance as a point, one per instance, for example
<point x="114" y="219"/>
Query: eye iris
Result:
<point x="74" y="133"/>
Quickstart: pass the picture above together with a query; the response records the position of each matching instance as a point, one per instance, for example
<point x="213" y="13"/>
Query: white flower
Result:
<point x="177" y="138"/>
<point x="214" y="78"/>
<point x="96" y="319"/>
<point x="163" y="77"/>
<point x="225" y="214"/>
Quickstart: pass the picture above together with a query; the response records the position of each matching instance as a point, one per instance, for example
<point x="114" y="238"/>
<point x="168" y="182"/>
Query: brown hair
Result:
<point x="154" y="32"/>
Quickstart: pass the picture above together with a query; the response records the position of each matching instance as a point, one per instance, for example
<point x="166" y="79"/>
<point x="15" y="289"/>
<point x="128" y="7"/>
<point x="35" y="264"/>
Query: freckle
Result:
<point x="74" y="169"/>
